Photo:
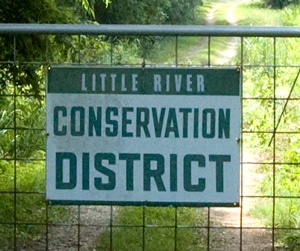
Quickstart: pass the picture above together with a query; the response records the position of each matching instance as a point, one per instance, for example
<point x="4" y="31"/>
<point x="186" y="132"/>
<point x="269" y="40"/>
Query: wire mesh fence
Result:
<point x="268" y="214"/>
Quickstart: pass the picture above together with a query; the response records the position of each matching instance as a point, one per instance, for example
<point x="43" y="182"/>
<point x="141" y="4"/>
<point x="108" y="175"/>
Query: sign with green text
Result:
<point x="151" y="136"/>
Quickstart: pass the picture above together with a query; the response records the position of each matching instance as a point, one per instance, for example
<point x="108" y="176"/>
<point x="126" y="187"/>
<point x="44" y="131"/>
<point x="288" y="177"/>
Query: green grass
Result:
<point x="29" y="206"/>
<point x="153" y="228"/>
<point x="165" y="52"/>
<point x="253" y="14"/>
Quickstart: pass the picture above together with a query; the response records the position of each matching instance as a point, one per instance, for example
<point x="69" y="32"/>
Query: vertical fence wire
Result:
<point x="46" y="66"/>
<point x="208" y="229"/>
<point x="208" y="243"/>
<point x="274" y="144"/>
<point x="241" y="58"/>
<point x="175" y="228"/>
<point x="111" y="228"/>
<point x="78" y="218"/>
<point x="111" y="51"/>
<point x="15" y="144"/>
<point x="176" y="51"/>
<point x="208" y="52"/>
<point x="144" y="229"/>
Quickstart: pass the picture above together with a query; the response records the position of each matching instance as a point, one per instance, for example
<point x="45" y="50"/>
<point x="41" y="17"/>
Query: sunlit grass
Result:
<point x="253" y="14"/>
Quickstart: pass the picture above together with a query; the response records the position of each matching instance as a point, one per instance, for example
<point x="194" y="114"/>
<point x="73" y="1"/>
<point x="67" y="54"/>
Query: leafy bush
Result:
<point x="28" y="115"/>
<point x="147" y="12"/>
<point x="22" y="168"/>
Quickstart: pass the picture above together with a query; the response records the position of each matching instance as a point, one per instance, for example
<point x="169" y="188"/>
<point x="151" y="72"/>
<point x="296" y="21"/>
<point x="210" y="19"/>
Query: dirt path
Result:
<point x="230" y="46"/>
<point x="238" y="230"/>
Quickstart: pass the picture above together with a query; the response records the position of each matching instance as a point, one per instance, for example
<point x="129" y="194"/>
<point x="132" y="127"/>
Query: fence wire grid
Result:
<point x="269" y="136"/>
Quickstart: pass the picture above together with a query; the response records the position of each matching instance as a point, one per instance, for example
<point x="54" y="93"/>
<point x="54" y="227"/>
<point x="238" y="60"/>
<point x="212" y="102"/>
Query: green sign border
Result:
<point x="217" y="81"/>
<point x="143" y="203"/>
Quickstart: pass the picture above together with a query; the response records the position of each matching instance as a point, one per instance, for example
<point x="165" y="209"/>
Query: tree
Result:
<point x="32" y="48"/>
<point x="146" y="12"/>
<point x="279" y="4"/>
<point x="26" y="48"/>
<point x="130" y="12"/>
<point x="181" y="11"/>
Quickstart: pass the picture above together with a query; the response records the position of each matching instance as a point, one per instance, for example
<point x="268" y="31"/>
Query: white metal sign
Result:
<point x="166" y="136"/>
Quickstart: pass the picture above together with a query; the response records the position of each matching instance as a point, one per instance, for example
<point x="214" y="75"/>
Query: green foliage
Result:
<point x="26" y="113"/>
<point x="259" y="83"/>
<point x="79" y="49"/>
<point x="22" y="182"/>
<point x="32" y="11"/>
<point x="291" y="239"/>
<point x="181" y="11"/>
<point x="274" y="4"/>
<point x="158" y="231"/>
<point x="129" y="12"/>
<point x="292" y="15"/>
<point x="22" y="167"/>
<point x="26" y="48"/>
<point x="126" y="51"/>
<point x="146" y="12"/>
<point x="38" y="48"/>
<point x="75" y="49"/>
<point x="95" y="50"/>
<point x="27" y="208"/>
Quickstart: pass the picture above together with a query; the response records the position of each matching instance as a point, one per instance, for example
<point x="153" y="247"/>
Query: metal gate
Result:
<point x="269" y="152"/>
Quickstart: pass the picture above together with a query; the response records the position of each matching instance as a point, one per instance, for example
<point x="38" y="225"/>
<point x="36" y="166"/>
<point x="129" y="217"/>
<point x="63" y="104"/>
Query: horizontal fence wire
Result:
<point x="151" y="30"/>
<point x="269" y="103"/>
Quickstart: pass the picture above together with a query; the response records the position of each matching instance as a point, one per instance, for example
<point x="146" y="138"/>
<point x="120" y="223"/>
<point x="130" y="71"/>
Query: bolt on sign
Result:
<point x="152" y="136"/>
